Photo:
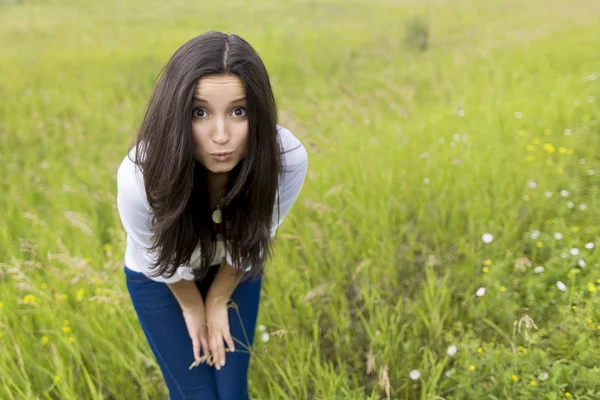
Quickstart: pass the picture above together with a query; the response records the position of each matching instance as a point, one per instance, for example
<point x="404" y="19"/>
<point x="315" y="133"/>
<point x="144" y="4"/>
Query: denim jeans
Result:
<point x="165" y="330"/>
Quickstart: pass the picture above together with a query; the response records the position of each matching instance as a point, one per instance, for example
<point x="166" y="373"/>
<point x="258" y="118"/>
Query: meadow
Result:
<point x="444" y="246"/>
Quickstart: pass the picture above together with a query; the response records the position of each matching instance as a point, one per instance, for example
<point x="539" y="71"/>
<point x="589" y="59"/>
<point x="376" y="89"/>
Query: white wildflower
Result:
<point x="548" y="194"/>
<point x="487" y="238"/>
<point x="518" y="114"/>
<point x="564" y="255"/>
<point x="426" y="181"/>
<point x="590" y="99"/>
<point x="582" y="161"/>
<point x="582" y="207"/>
<point x="452" y="350"/>
<point x="570" y="204"/>
<point x="539" y="269"/>
<point x="564" y="193"/>
<point x="415" y="375"/>
<point x="567" y="132"/>
<point x="535" y="234"/>
<point x="574" y="251"/>
<point x="558" y="236"/>
<point x="532" y="184"/>
<point x="561" y="286"/>
<point x="589" y="245"/>
<point x="581" y="263"/>
<point x="526" y="198"/>
<point x="591" y="172"/>
<point x="261" y="328"/>
<point x="480" y="292"/>
<point x="265" y="337"/>
<point x="543" y="376"/>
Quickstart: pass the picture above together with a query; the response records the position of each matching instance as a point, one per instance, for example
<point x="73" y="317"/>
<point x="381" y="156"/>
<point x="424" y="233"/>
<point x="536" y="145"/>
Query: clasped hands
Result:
<point x="208" y="327"/>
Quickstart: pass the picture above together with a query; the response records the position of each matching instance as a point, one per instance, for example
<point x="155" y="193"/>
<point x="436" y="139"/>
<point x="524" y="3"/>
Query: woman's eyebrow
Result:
<point x="203" y="100"/>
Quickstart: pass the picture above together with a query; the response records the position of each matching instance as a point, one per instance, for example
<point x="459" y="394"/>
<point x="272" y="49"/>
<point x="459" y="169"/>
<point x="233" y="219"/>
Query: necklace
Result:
<point x="217" y="216"/>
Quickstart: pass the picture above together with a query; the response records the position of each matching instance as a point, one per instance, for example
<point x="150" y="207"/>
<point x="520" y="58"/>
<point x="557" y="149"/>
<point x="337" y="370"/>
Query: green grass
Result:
<point x="389" y="225"/>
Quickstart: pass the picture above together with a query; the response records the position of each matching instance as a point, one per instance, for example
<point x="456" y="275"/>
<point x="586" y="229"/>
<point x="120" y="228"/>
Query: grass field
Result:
<point x="445" y="244"/>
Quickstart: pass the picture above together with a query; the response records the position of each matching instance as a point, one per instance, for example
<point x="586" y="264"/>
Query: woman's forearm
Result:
<point x="187" y="294"/>
<point x="223" y="285"/>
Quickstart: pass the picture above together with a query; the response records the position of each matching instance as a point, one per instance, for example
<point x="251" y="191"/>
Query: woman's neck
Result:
<point x="217" y="187"/>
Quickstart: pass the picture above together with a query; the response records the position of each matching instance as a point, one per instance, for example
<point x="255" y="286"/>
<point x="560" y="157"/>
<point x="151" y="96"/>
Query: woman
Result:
<point x="201" y="193"/>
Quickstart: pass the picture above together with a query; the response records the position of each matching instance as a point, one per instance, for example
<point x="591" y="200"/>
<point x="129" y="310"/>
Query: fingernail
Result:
<point x="223" y="363"/>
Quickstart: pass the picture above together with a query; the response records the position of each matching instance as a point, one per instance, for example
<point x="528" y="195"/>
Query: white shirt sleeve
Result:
<point x="135" y="216"/>
<point x="295" y="167"/>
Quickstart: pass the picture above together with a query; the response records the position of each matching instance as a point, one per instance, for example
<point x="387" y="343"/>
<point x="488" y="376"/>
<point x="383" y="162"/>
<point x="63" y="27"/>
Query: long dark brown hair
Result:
<point x="175" y="181"/>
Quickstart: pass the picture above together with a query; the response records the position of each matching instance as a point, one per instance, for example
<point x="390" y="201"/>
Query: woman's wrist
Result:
<point x="187" y="294"/>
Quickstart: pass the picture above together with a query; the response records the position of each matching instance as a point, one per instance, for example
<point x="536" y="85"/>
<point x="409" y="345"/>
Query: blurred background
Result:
<point x="444" y="244"/>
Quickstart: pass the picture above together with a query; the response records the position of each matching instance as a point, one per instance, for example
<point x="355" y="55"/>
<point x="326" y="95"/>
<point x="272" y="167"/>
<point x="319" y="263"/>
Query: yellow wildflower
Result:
<point x="79" y="294"/>
<point x="549" y="148"/>
<point x="45" y="339"/>
<point x="472" y="367"/>
<point x="66" y="329"/>
<point x="487" y="262"/>
<point x="562" y="150"/>
<point x="29" y="299"/>
<point x="521" y="348"/>
<point x="1" y="304"/>
<point x="502" y="288"/>
<point x="533" y="383"/>
<point x="485" y="270"/>
<point x="567" y="394"/>
<point x="575" y="229"/>
<point x="574" y="307"/>
<point x="57" y="379"/>
<point x="71" y="339"/>
<point x="547" y="132"/>
<point x="591" y="287"/>
<point x="540" y="244"/>
<point x="589" y="321"/>
<point x="480" y="350"/>
<point x="514" y="378"/>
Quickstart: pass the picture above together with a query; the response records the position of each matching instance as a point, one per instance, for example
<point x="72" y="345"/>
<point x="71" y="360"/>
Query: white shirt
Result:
<point x="134" y="209"/>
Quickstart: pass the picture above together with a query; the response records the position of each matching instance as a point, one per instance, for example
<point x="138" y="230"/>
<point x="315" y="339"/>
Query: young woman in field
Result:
<point x="201" y="193"/>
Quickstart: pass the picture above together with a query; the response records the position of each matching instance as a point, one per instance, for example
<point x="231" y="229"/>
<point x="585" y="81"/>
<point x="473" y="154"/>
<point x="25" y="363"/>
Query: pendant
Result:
<point x="216" y="216"/>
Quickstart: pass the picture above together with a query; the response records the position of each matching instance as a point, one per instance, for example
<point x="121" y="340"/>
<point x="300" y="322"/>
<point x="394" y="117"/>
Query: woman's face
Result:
<point x="220" y="122"/>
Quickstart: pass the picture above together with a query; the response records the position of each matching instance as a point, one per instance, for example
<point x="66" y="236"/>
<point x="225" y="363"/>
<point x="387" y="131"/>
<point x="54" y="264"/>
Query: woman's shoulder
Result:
<point x="293" y="149"/>
<point x="130" y="181"/>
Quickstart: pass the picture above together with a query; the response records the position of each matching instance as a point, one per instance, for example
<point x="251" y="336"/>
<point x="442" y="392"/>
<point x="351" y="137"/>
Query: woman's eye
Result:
<point x="196" y="112"/>
<point x="239" y="112"/>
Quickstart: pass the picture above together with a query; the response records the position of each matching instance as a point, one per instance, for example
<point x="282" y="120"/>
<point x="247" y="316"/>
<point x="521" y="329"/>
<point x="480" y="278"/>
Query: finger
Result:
<point x="230" y="344"/>
<point x="205" y="349"/>
<point x="196" y="347"/>
<point x="214" y="351"/>
<point x="222" y="350"/>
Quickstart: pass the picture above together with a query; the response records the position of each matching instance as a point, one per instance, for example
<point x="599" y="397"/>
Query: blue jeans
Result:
<point x="163" y="325"/>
